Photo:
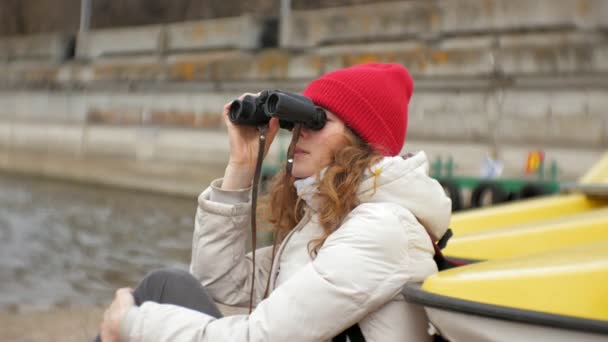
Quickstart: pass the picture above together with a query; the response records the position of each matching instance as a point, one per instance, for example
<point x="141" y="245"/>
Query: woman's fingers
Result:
<point x="124" y="296"/>
<point x="273" y="129"/>
<point x="244" y="139"/>
<point x="110" y="326"/>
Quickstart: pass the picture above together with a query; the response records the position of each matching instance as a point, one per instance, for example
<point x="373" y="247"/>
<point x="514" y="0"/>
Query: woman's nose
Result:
<point x="304" y="132"/>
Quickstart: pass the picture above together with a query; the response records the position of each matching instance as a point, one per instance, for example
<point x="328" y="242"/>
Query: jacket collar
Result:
<point x="399" y="180"/>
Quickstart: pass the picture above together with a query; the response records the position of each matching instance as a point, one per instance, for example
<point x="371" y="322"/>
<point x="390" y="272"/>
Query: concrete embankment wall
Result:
<point x="495" y="77"/>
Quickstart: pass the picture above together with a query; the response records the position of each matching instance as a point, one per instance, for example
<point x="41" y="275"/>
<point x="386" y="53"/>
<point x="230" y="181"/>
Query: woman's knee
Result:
<point x="175" y="286"/>
<point x="159" y="284"/>
<point x="163" y="275"/>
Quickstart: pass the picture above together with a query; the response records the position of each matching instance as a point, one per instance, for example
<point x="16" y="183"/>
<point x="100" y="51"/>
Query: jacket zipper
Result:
<point x="277" y="259"/>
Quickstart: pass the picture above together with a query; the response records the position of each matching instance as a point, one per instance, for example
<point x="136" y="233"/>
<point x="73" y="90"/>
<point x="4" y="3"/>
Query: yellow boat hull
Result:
<point x="534" y="225"/>
<point x="525" y="239"/>
<point x="563" y="289"/>
<point x="523" y="212"/>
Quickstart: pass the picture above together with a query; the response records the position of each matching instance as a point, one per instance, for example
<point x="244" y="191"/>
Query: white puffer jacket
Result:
<point x="357" y="275"/>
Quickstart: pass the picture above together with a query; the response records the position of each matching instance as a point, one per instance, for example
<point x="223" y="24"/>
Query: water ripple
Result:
<point x="65" y="244"/>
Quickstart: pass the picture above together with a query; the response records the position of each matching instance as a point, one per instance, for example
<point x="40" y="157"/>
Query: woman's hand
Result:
<point x="110" y="327"/>
<point x="244" y="149"/>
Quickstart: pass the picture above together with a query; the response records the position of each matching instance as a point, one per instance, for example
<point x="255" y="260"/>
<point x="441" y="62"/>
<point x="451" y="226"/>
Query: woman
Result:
<point x="354" y="221"/>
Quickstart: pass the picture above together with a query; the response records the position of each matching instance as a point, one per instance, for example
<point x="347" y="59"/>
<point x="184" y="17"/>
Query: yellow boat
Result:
<point x="534" y="225"/>
<point x="557" y="295"/>
<point x="522" y="212"/>
<point x="598" y="172"/>
<point x="538" y="209"/>
<point x="529" y="238"/>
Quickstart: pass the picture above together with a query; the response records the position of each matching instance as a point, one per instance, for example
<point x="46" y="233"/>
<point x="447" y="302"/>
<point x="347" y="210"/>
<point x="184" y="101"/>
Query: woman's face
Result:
<point x="315" y="149"/>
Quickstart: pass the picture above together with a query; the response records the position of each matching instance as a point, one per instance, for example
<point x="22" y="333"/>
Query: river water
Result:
<point x="72" y="245"/>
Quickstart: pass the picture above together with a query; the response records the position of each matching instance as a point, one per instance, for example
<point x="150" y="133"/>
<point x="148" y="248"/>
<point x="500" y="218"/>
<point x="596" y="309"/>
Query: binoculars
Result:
<point x="289" y="108"/>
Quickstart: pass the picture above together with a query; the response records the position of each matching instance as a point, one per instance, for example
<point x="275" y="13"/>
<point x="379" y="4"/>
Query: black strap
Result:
<point x="444" y="239"/>
<point x="444" y="263"/>
<point x="254" y="202"/>
<point x="354" y="335"/>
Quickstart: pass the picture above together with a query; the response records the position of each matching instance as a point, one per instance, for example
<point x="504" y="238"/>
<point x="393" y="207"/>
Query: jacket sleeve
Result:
<point x="361" y="266"/>
<point x="221" y="232"/>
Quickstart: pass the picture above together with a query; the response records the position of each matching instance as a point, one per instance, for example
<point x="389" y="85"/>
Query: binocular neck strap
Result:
<point x="292" y="147"/>
<point x="254" y="196"/>
<point x="254" y="203"/>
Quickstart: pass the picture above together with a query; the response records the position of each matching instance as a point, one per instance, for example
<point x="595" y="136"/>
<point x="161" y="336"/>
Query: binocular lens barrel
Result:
<point x="272" y="103"/>
<point x="247" y="112"/>
<point x="295" y="109"/>
<point x="236" y="110"/>
<point x="289" y="108"/>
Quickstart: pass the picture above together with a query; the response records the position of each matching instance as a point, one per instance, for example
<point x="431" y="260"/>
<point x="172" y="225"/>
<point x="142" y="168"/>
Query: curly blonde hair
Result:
<point x="337" y="191"/>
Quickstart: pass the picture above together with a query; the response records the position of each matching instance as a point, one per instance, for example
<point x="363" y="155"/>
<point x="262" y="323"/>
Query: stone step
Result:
<point x="303" y="29"/>
<point x="436" y="19"/>
<point x="40" y="48"/>
<point x="566" y="53"/>
<point x="571" y="116"/>
<point x="175" y="168"/>
<point x="226" y="33"/>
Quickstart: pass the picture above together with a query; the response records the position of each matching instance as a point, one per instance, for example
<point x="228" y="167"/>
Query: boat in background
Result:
<point x="541" y="269"/>
<point x="577" y="215"/>
<point x="529" y="238"/>
<point x="558" y="295"/>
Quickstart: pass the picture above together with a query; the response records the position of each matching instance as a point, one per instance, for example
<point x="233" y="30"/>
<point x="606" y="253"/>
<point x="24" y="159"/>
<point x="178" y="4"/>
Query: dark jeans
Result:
<point x="173" y="286"/>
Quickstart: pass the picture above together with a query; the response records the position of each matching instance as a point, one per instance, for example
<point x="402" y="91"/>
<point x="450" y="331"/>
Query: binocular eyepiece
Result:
<point x="289" y="108"/>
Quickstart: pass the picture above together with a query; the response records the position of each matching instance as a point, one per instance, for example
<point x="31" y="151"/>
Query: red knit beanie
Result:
<point x="371" y="99"/>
